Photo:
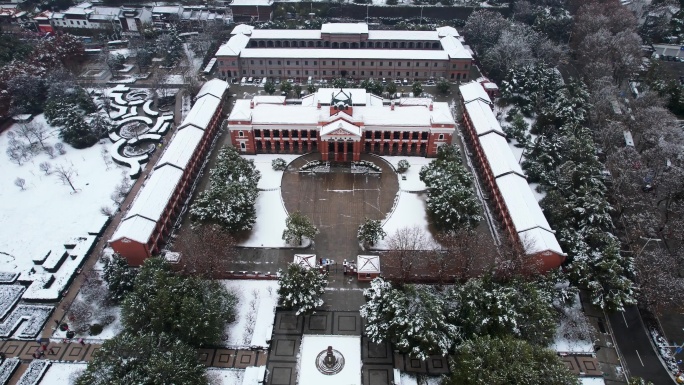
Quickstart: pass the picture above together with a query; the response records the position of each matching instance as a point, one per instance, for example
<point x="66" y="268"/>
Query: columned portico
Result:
<point x="342" y="142"/>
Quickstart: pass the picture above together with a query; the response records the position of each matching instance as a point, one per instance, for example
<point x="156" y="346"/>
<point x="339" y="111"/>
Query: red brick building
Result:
<point x="340" y="124"/>
<point x="348" y="50"/>
<point x="515" y="205"/>
<point x="151" y="216"/>
<point x="252" y="10"/>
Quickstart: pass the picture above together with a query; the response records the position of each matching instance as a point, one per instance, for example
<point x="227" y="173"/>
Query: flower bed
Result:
<point x="138" y="149"/>
<point x="7" y="369"/>
<point x="33" y="318"/>
<point x="315" y="166"/>
<point x="34" y="373"/>
<point x="9" y="296"/>
<point x="665" y="351"/>
<point x="365" y="167"/>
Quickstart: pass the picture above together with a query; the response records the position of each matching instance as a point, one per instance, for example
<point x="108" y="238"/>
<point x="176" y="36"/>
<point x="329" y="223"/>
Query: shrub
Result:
<point x="95" y="329"/>
<point x="279" y="164"/>
<point x="403" y="166"/>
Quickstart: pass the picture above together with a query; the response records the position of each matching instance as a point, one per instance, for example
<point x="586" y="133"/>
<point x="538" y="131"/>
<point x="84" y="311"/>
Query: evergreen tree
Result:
<point x="503" y="361"/>
<point x="119" y="277"/>
<point x="286" y="87"/>
<point x="301" y="289"/>
<point x="171" y="47"/>
<point x="417" y="89"/>
<point x="521" y="309"/>
<point x="518" y="130"/>
<point x="413" y="319"/>
<point x="76" y="131"/>
<point x="191" y="310"/>
<point x="443" y="86"/>
<point x="270" y="88"/>
<point x="297" y="226"/>
<point x="231" y="195"/>
<point x="391" y="89"/>
<point x="451" y="201"/>
<point x="403" y="166"/>
<point x="371" y="231"/>
<point x="147" y="358"/>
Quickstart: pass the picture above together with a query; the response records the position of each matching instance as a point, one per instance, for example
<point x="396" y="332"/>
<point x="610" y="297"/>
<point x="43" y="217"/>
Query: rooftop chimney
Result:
<point x="392" y="105"/>
<point x="251" y="104"/>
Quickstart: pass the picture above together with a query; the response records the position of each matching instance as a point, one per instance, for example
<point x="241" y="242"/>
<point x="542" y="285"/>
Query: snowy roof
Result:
<point x="137" y="228"/>
<point x="341" y="128"/>
<point x="254" y="375"/>
<point x="332" y="53"/>
<point x="234" y="46"/>
<point x="368" y="264"/>
<point x="243" y="29"/>
<point x="201" y="112"/>
<point x="447" y="31"/>
<point x="539" y="240"/>
<point x="482" y="117"/>
<point x="499" y="155"/>
<point x="357" y="95"/>
<point x="454" y="48"/>
<point x="156" y="193"/>
<point x="264" y="3"/>
<point x="214" y="87"/>
<point x="521" y="203"/>
<point x="241" y="110"/>
<point x="473" y="91"/>
<point x="269" y="99"/>
<point x="344" y="28"/>
<point x="441" y="113"/>
<point x="113" y="11"/>
<point x="167" y="9"/>
<point x="179" y="152"/>
<point x="309" y="34"/>
<point x="307" y="261"/>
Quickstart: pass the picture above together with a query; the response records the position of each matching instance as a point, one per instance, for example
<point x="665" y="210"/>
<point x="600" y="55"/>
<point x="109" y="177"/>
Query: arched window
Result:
<point x="387" y="44"/>
<point x="286" y="44"/>
<point x="402" y="45"/>
<point x="419" y="45"/>
<point x="395" y="44"/>
<point x="363" y="44"/>
<point x="269" y="43"/>
<point x="410" y="44"/>
<point x="344" y="45"/>
<point x="319" y="43"/>
<point x="311" y="44"/>
<point x="335" y="45"/>
<point x="278" y="44"/>
<point x="262" y="43"/>
<point x="327" y="44"/>
<point x="435" y="45"/>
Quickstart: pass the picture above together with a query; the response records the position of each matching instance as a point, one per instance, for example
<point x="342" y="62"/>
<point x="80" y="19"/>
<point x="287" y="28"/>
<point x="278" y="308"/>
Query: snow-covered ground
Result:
<point x="193" y="61"/>
<point x="565" y="340"/>
<point x="313" y="345"/>
<point x="108" y="331"/>
<point x="410" y="379"/>
<point x="62" y="373"/>
<point x="174" y="79"/>
<point x="591" y="381"/>
<point x="270" y="221"/>
<point x="412" y="182"/>
<point x="47" y="213"/>
<point x="409" y="211"/>
<point x="270" y="178"/>
<point x="225" y="376"/>
<point x="255" y="312"/>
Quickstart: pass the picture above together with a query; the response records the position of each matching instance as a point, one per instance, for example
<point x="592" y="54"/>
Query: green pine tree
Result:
<point x="298" y="226"/>
<point x="301" y="289"/>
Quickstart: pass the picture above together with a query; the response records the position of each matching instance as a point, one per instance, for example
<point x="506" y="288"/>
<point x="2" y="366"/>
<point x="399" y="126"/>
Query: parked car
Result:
<point x="430" y="83"/>
<point x="290" y="80"/>
<point x="406" y="82"/>
<point x="277" y="81"/>
<point x="250" y="80"/>
<point x="384" y="81"/>
<point x="397" y="81"/>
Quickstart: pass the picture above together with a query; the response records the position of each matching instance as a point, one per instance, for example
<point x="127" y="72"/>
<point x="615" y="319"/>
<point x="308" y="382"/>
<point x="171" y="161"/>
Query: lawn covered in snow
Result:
<point x="270" y="178"/>
<point x="255" y="312"/>
<point x="48" y="213"/>
<point x="62" y="373"/>
<point x="313" y="345"/>
<point x="409" y="211"/>
<point x="412" y="182"/>
<point x="572" y="327"/>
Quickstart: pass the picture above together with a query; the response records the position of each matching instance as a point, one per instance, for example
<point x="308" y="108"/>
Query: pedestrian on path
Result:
<point x="51" y="351"/>
<point x="80" y="341"/>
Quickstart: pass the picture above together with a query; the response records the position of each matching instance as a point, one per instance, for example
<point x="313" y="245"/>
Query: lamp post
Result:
<point x="421" y="15"/>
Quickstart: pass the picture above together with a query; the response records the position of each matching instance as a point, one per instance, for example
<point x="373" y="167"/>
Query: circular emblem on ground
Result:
<point x="330" y="361"/>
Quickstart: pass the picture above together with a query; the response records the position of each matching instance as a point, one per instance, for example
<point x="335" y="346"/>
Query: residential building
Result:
<point x="348" y="50"/>
<point x="252" y="10"/>
<point x="154" y="211"/>
<point x="87" y="16"/>
<point x="512" y="198"/>
<point x="340" y="124"/>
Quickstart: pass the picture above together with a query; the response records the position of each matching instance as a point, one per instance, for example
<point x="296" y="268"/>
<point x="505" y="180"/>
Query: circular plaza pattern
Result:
<point x="337" y="202"/>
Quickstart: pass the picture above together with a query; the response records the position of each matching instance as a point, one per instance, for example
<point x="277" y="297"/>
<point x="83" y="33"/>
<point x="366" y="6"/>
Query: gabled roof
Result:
<point x="263" y="3"/>
<point x="242" y="29"/>
<point x="137" y="229"/>
<point x="307" y="261"/>
<point x="538" y="240"/>
<point x="454" y="48"/>
<point x="522" y="206"/>
<point x="473" y="91"/>
<point x="483" y="119"/>
<point x="156" y="193"/>
<point x="201" y="112"/>
<point x="368" y="264"/>
<point x="447" y="31"/>
<point x="181" y="148"/>
<point x="214" y="87"/>
<point x="340" y="127"/>
<point x="234" y="46"/>
<point x="499" y="155"/>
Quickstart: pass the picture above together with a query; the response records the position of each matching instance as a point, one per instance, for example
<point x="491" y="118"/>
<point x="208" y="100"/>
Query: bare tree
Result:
<point x="25" y="130"/>
<point x="661" y="287"/>
<point x="206" y="251"/>
<point x="465" y="254"/>
<point x="60" y="148"/>
<point x="106" y="211"/>
<point x="66" y="176"/>
<point x="21" y="183"/>
<point x="17" y="152"/>
<point x="45" y="167"/>
<point x="514" y="261"/>
<point x="406" y="246"/>
<point x="40" y="133"/>
<point x="106" y="157"/>
<point x="50" y="151"/>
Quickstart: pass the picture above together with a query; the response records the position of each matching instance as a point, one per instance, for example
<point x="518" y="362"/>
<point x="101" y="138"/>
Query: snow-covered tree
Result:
<point x="192" y="310"/>
<point x="518" y="130"/>
<point x="370" y="231"/>
<point x="21" y="183"/>
<point x="483" y="28"/>
<point x="490" y="360"/>
<point x="147" y="358"/>
<point x="483" y="306"/>
<point x="301" y="289"/>
<point x="115" y="62"/>
<point x="279" y="164"/>
<point x="417" y="89"/>
<point x="403" y="166"/>
<point x="412" y="319"/>
<point x="230" y="197"/>
<point x="298" y="226"/>
<point x="118" y="276"/>
<point x="451" y="201"/>
<point x="269" y="87"/>
<point x="170" y="45"/>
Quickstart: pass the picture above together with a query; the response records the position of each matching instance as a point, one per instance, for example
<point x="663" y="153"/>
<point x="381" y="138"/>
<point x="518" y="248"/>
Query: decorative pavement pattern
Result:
<point x="378" y="359"/>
